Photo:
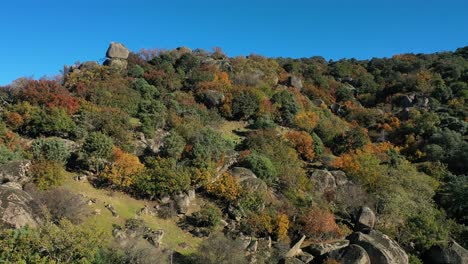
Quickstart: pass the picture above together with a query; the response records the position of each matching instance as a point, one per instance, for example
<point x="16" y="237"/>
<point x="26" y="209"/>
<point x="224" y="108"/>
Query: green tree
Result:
<point x="50" y="149"/>
<point x="245" y="105"/>
<point x="96" y="150"/>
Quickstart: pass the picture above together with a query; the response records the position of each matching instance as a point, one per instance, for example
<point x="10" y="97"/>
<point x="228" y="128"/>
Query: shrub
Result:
<point x="161" y="178"/>
<point x="96" y="150"/>
<point x="244" y="105"/>
<point x="303" y="143"/>
<point x="174" y="145"/>
<point x="219" y="249"/>
<point x="208" y="216"/>
<point x="225" y="187"/>
<point x="47" y="174"/>
<point x="50" y="149"/>
<point x="319" y="224"/>
<point x="123" y="170"/>
<point x="261" y="166"/>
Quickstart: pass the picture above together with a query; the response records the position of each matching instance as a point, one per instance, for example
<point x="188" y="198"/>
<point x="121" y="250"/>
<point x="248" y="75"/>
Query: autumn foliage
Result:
<point x="319" y="224"/>
<point x="123" y="169"/>
<point x="303" y="143"/>
<point x="226" y="187"/>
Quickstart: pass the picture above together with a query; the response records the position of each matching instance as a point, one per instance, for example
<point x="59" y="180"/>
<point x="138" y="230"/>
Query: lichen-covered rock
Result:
<point x="453" y="254"/>
<point x="296" y="249"/>
<point x="380" y="248"/>
<point x="16" y="207"/>
<point x="155" y="237"/>
<point x="323" y="248"/>
<point x="117" y="51"/>
<point x="352" y="254"/>
<point x="15" y="171"/>
<point x="242" y="173"/>
<point x="323" y="180"/>
<point x="295" y="82"/>
<point x="365" y="219"/>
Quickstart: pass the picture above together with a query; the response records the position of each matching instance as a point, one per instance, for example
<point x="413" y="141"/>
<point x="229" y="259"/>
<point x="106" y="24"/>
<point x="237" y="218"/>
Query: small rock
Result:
<point x="323" y="248"/>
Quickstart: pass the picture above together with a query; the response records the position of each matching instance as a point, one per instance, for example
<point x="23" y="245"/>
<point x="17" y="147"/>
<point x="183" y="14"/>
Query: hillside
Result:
<point x="190" y="156"/>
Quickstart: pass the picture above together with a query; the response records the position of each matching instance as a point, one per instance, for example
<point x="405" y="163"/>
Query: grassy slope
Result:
<point x="127" y="207"/>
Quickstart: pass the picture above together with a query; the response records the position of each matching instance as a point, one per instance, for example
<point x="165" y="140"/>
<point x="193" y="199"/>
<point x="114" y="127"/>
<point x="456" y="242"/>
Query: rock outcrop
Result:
<point x="117" y="55"/>
<point x="15" y="171"/>
<point x="453" y="254"/>
<point x="16" y="207"/>
<point x="353" y="254"/>
<point x="323" y="248"/>
<point x="380" y="248"/>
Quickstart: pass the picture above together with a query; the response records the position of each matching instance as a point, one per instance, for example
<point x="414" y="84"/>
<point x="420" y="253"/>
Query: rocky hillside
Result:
<point x="190" y="156"/>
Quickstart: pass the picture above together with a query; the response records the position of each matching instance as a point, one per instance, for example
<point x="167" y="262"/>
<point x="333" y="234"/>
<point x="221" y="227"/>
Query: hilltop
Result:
<point x="190" y="156"/>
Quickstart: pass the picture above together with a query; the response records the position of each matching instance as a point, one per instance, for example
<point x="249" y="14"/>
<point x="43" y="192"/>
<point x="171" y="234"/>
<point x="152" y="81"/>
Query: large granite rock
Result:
<point x="365" y="219"/>
<point x="323" y="248"/>
<point x="16" y="207"/>
<point x="117" y="51"/>
<point x="352" y="254"/>
<point x="15" y="171"/>
<point x="380" y="248"/>
<point x="453" y="254"/>
<point x="324" y="180"/>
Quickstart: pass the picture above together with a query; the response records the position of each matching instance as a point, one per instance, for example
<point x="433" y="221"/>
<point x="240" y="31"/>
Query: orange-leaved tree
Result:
<point x="123" y="169"/>
<point x="303" y="143"/>
<point x="319" y="224"/>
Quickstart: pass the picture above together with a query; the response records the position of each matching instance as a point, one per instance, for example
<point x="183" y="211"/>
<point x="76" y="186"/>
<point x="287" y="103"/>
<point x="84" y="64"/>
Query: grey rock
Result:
<point x="213" y="98"/>
<point x="242" y="173"/>
<point x="365" y="219"/>
<point x="305" y="257"/>
<point x="352" y="254"/>
<point x="117" y="51"/>
<point x="119" y="64"/>
<point x="296" y="249"/>
<point x="155" y="237"/>
<point x="323" y="180"/>
<point x="16" y="207"/>
<point x="323" y="248"/>
<point x="340" y="178"/>
<point x="453" y="254"/>
<point x="182" y="202"/>
<point x="293" y="261"/>
<point x="318" y="102"/>
<point x="380" y="248"/>
<point x="295" y="82"/>
<point x="15" y="171"/>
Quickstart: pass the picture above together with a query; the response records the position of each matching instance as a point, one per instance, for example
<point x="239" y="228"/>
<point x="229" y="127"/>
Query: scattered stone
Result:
<point x="365" y="219"/>
<point x="154" y="237"/>
<point x="380" y="248"/>
<point x="92" y="201"/>
<point x="112" y="210"/>
<point x="97" y="211"/>
<point x="253" y="246"/>
<point x="323" y="248"/>
<point x="318" y="102"/>
<point x="296" y="249"/>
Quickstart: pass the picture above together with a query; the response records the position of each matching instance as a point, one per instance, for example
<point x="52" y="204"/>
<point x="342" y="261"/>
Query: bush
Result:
<point x="161" y="178"/>
<point x="96" y="150"/>
<point x="219" y="249"/>
<point x="47" y="174"/>
<point x="225" y="187"/>
<point x="174" y="145"/>
<point x="261" y="166"/>
<point x="50" y="149"/>
<point x="244" y="105"/>
<point x="208" y="216"/>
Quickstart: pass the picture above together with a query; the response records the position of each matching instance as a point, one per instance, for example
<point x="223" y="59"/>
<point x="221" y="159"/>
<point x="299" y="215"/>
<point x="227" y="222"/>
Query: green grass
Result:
<point x="127" y="208"/>
<point x="227" y="129"/>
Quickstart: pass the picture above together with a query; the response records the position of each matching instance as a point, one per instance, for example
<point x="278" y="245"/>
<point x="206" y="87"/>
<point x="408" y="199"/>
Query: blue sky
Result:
<point x="38" y="37"/>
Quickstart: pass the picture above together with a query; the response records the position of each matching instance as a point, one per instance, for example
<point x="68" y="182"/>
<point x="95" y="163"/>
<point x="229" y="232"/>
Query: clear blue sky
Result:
<point x="37" y="37"/>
